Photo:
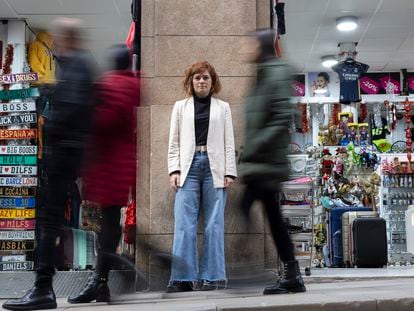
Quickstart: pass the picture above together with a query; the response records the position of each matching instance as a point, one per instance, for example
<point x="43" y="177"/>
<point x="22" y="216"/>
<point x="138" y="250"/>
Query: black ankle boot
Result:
<point x="290" y="281"/>
<point x="35" y="299"/>
<point x="96" y="289"/>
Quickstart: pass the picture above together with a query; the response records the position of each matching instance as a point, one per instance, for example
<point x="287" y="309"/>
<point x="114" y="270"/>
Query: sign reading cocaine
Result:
<point x="17" y="224"/>
<point x="18" y="181"/>
<point x="19" y="78"/>
<point x="18" y="170"/>
<point x="18" y="107"/>
<point x="17" y="202"/>
<point x="18" y="134"/>
<point x="17" y="213"/>
<point x="6" y="245"/>
<point x="17" y="235"/>
<point x="17" y="192"/>
<point x="18" y="119"/>
<point x="20" y="150"/>
<point x="17" y="160"/>
<point x="19" y="94"/>
<point x="16" y="266"/>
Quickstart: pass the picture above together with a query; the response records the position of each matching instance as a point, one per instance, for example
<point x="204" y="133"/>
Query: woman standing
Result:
<point x="111" y="162"/>
<point x="201" y="165"/>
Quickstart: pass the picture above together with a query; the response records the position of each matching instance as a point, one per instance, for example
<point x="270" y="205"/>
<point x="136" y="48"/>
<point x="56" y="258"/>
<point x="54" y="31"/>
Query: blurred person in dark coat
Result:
<point x="66" y="132"/>
<point x="263" y="163"/>
<point x="110" y="163"/>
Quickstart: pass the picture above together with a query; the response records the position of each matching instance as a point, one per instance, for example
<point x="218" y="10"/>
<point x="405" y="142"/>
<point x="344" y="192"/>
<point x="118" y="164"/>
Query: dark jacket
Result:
<point x="268" y="115"/>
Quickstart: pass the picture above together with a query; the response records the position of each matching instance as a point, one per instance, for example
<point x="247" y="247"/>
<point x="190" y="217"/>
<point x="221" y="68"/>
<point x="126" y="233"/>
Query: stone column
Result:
<point x="175" y="35"/>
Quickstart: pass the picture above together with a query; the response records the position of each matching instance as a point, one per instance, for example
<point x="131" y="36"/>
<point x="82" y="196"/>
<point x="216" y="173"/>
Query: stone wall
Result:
<point x="175" y="35"/>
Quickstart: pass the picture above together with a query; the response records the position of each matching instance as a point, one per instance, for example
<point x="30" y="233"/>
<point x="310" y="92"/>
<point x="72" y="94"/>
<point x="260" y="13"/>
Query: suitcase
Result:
<point x="369" y="240"/>
<point x="347" y="219"/>
<point x="335" y="228"/>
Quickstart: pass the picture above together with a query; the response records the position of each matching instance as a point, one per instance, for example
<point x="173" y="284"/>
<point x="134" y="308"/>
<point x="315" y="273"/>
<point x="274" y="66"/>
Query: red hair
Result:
<point x="198" y="68"/>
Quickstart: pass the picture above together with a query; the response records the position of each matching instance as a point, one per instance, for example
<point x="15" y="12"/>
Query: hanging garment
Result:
<point x="41" y="59"/>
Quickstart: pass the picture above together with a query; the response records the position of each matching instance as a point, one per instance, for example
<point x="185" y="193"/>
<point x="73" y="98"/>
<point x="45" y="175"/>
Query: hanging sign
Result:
<point x="18" y="119"/>
<point x="18" y="181"/>
<point x="6" y="245"/>
<point x="17" y="202"/>
<point x="17" y="235"/>
<point x="374" y="83"/>
<point x="17" y="224"/>
<point x="13" y="258"/>
<point x="21" y="150"/>
<point x="17" y="213"/>
<point x="18" y="170"/>
<point x="19" y="78"/>
<point x="18" y="107"/>
<point x="19" y="94"/>
<point x="18" y="134"/>
<point x="17" y="160"/>
<point x="16" y="266"/>
<point x="17" y="192"/>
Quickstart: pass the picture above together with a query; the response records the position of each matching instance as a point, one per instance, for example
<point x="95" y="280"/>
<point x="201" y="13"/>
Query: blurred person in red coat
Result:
<point x="111" y="163"/>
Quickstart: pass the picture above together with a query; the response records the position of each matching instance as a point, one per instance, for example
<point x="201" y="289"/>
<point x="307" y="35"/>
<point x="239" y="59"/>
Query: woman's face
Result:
<point x="202" y="84"/>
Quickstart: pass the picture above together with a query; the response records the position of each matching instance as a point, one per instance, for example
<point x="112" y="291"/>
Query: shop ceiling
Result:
<point x="385" y="34"/>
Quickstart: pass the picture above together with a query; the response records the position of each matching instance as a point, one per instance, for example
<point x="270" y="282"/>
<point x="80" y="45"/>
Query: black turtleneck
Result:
<point x="201" y="119"/>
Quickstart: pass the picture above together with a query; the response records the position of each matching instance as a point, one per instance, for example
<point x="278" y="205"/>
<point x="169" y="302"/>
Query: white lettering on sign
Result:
<point x="18" y="181"/>
<point x="370" y="86"/>
<point x="17" y="235"/>
<point x="16" y="266"/>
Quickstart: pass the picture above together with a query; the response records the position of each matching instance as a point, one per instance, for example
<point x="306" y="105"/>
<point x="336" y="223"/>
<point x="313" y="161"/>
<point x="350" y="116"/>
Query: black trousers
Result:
<point x="278" y="227"/>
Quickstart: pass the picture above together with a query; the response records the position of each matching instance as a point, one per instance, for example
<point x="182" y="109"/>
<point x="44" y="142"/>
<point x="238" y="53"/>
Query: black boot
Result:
<point x="96" y="289"/>
<point x="37" y="298"/>
<point x="180" y="286"/>
<point x="290" y="281"/>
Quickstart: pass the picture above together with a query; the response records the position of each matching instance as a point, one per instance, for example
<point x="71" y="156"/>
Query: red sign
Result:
<point x="18" y="134"/>
<point x="16" y="224"/>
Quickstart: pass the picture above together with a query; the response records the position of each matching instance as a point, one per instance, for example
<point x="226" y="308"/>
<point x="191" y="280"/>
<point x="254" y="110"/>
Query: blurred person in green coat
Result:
<point x="264" y="163"/>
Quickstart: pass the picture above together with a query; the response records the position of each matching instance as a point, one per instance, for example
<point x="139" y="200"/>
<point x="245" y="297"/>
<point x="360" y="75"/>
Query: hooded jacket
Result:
<point x="41" y="59"/>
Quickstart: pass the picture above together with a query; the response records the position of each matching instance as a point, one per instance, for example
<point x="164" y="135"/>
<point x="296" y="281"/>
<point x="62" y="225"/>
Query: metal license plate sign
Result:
<point x="18" y="119"/>
<point x="6" y="245"/>
<point x="18" y="170"/>
<point x="18" y="134"/>
<point x="17" y="202"/>
<point x="8" y="213"/>
<point x="16" y="266"/>
<point x="17" y="235"/>
<point x="19" y="78"/>
<point x="17" y="224"/>
<point x="18" y="181"/>
<point x="19" y="150"/>
<point x="18" y="107"/>
<point x="17" y="160"/>
<point x="19" y="94"/>
<point x="13" y="258"/>
<point x="17" y="192"/>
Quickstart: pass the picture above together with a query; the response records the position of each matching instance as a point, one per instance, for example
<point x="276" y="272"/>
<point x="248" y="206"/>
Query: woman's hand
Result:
<point x="175" y="181"/>
<point x="228" y="181"/>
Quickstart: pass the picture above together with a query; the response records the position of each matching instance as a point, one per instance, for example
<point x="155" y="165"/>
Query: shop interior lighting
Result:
<point x="329" y="60"/>
<point x="347" y="23"/>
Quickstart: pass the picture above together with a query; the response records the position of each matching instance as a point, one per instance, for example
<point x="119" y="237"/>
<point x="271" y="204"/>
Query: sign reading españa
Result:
<point x="18" y="134"/>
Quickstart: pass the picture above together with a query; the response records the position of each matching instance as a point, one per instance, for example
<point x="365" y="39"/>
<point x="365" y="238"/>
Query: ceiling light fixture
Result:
<point x="329" y="61"/>
<point x="346" y="23"/>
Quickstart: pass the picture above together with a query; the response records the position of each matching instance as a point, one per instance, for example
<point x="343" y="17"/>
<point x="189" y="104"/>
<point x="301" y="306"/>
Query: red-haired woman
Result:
<point x="201" y="165"/>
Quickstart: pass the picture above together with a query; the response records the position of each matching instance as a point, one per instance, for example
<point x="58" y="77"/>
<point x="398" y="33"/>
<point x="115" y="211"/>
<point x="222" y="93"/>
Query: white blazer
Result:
<point x="220" y="140"/>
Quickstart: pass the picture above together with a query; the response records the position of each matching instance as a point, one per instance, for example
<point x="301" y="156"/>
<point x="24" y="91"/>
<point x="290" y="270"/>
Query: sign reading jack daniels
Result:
<point x="16" y="266"/>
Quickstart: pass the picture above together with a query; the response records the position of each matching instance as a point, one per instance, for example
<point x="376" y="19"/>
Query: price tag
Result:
<point x="17" y="213"/>
<point x="18" y="119"/>
<point x="19" y="94"/>
<point x="6" y="245"/>
<point x="16" y="266"/>
<point x="19" y="78"/>
<point x="17" y="202"/>
<point x="18" y="181"/>
<point x="17" y="224"/>
<point x="18" y="170"/>
<point x="18" y="107"/>
<point x="18" y="134"/>
<point x="17" y="160"/>
<point x="17" y="192"/>
<point x="17" y="235"/>
<point x="20" y="150"/>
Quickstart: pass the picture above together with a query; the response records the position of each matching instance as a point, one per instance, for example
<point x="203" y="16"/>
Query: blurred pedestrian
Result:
<point x="66" y="131"/>
<point x="110" y="163"/>
<point x="264" y="164"/>
<point x="201" y="165"/>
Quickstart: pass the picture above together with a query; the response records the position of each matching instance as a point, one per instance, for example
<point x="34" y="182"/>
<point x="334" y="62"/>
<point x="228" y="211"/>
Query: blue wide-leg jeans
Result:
<point x="197" y="193"/>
